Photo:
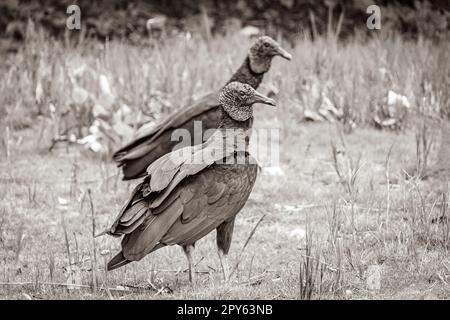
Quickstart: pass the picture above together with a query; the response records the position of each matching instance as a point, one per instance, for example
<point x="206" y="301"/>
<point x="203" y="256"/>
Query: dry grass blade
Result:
<point x="94" y="249"/>
<point x="425" y="140"/>
<point x="66" y="238"/>
<point x="253" y="232"/>
<point x="236" y="266"/>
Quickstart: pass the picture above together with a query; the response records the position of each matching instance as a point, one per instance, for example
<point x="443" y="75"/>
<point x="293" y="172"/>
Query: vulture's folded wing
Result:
<point x="143" y="143"/>
<point x="163" y="176"/>
<point x="191" y="211"/>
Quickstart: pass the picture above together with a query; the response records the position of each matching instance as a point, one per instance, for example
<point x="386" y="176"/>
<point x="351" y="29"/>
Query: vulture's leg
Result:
<point x="223" y="239"/>
<point x="224" y="264"/>
<point x="188" y="251"/>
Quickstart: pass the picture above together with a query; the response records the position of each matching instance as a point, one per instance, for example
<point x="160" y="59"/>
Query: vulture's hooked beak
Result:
<point x="283" y="53"/>
<point x="260" y="98"/>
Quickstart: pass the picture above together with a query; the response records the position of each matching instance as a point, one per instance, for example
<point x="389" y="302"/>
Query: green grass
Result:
<point x="321" y="230"/>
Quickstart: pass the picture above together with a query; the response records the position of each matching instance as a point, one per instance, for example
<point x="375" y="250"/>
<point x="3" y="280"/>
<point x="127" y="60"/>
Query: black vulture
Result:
<point x="136" y="156"/>
<point x="189" y="192"/>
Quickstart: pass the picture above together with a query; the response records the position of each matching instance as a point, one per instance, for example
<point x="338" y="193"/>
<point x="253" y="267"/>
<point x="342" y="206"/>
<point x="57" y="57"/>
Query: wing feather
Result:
<point x="214" y="194"/>
<point x="133" y="214"/>
<point x="143" y="240"/>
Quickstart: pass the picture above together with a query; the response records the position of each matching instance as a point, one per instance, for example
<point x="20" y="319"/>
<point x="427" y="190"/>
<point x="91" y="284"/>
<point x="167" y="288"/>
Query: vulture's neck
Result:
<point x="227" y="122"/>
<point x="246" y="75"/>
<point x="238" y="131"/>
<point x="231" y="134"/>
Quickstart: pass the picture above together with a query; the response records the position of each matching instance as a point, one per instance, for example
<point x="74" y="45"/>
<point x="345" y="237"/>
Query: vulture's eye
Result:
<point x="242" y="93"/>
<point x="266" y="44"/>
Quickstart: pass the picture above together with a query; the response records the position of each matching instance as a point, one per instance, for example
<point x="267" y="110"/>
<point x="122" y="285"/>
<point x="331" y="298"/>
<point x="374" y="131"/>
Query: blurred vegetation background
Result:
<point x="133" y="61"/>
<point x="287" y="18"/>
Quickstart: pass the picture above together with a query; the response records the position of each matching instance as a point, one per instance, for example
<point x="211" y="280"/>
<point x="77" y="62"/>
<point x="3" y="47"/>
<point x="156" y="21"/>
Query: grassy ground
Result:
<point x="308" y="201"/>
<point x="333" y="221"/>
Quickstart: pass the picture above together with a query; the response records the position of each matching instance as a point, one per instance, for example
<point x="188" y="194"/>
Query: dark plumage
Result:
<point x="136" y="156"/>
<point x="190" y="192"/>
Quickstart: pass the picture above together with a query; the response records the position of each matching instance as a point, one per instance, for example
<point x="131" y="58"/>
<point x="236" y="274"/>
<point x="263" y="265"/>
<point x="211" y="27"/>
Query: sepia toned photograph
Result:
<point x="224" y="150"/>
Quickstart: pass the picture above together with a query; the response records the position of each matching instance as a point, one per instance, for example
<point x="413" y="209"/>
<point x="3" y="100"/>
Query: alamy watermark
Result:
<point x="73" y="21"/>
<point x="374" y="20"/>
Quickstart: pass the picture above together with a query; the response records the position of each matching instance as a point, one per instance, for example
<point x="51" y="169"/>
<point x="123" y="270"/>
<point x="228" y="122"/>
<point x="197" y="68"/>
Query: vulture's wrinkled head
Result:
<point x="237" y="99"/>
<point x="262" y="52"/>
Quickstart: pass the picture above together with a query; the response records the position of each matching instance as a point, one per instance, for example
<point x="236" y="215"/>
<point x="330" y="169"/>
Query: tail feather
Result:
<point x="118" y="261"/>
<point x="106" y="231"/>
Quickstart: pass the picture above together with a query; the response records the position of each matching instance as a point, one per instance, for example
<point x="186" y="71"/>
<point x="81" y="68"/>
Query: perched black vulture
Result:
<point x="135" y="157"/>
<point x="189" y="192"/>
